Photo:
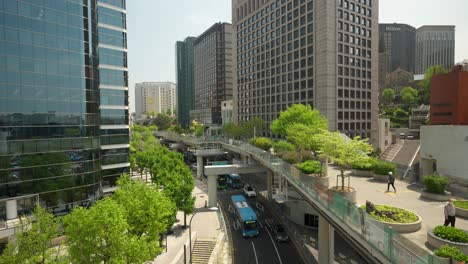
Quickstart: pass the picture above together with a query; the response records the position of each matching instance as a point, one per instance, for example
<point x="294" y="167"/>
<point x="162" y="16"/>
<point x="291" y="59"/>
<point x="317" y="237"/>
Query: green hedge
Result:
<point x="363" y="167"/>
<point x="451" y="234"/>
<point x="402" y="216"/>
<point x="310" y="167"/>
<point x="461" y="204"/>
<point x="281" y="146"/>
<point x="291" y="157"/>
<point x="447" y="251"/>
<point x="435" y="183"/>
<point x="263" y="143"/>
<point x="383" y="167"/>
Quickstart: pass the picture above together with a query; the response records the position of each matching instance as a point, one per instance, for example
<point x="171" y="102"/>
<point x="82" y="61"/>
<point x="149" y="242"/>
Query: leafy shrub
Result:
<point x="363" y="167"/>
<point x="447" y="251"/>
<point x="310" y="167"/>
<point x="383" y="167"/>
<point x="263" y="143"/>
<point x="451" y="233"/>
<point x="461" y="204"/>
<point x="401" y="215"/>
<point x="291" y="157"/>
<point x="252" y="141"/>
<point x="306" y="155"/>
<point x="435" y="183"/>
<point x="281" y="146"/>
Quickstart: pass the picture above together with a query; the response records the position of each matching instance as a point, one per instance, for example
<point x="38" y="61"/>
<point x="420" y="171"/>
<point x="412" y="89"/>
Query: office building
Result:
<point x="226" y="111"/>
<point x="322" y="53"/>
<point x="213" y="76"/>
<point x="185" y="82"/>
<point x="157" y="97"/>
<point x="63" y="116"/>
<point x="435" y="45"/>
<point x="449" y="94"/>
<point x="397" y="41"/>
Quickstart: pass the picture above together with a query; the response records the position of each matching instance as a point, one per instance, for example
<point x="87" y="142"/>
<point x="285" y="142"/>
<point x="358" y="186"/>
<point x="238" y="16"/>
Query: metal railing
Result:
<point x="377" y="238"/>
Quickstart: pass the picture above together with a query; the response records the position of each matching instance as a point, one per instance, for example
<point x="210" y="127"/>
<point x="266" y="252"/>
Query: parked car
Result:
<point x="402" y="136"/>
<point x="249" y="191"/>
<point x="280" y="233"/>
<point x="409" y="137"/>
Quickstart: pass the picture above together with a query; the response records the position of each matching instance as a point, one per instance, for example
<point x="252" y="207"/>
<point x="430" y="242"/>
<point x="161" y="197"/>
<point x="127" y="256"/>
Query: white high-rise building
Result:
<point x="154" y="96"/>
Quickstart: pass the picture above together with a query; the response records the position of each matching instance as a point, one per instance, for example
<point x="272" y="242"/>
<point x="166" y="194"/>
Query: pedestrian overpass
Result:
<point x="375" y="242"/>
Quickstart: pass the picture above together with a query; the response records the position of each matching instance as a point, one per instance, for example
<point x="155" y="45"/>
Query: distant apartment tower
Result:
<point x="323" y="53"/>
<point x="185" y="82"/>
<point x="398" y="41"/>
<point x="158" y="97"/>
<point x="213" y="70"/>
<point x="435" y="45"/>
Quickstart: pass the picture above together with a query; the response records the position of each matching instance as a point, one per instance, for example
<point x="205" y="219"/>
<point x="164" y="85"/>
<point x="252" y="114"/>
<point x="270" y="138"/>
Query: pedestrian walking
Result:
<point x="449" y="212"/>
<point x="391" y="181"/>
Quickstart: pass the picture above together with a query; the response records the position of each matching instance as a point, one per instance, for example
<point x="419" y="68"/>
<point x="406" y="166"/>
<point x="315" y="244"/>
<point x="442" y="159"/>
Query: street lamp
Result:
<point x="190" y="230"/>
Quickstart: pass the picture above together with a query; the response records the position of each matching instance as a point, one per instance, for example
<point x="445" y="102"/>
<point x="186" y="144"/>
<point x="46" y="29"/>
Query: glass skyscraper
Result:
<point x="63" y="102"/>
<point x="185" y="82"/>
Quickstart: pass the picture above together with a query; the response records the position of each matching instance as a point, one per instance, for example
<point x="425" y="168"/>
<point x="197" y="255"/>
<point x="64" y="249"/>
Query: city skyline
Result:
<point x="149" y="50"/>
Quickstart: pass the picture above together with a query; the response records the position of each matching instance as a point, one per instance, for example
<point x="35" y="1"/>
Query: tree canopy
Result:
<point x="388" y="96"/>
<point x="300" y="114"/>
<point x="409" y="96"/>
<point x="426" y="82"/>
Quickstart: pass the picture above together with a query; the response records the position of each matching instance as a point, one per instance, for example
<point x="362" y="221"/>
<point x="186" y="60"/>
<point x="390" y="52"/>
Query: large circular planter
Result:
<point x="441" y="260"/>
<point x="403" y="228"/>
<point x="323" y="181"/>
<point x="437" y="242"/>
<point x="435" y="196"/>
<point x="362" y="173"/>
<point x="380" y="177"/>
<point x="349" y="195"/>
<point x="460" y="212"/>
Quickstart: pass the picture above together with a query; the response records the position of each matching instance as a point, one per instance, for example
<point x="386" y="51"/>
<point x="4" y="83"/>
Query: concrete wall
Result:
<point x="447" y="148"/>
<point x="298" y="208"/>
<point x="384" y="136"/>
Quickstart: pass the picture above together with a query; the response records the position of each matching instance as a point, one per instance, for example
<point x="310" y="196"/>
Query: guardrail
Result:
<point x="379" y="240"/>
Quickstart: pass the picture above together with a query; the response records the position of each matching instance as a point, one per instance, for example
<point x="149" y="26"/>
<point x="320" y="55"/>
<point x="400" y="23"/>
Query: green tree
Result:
<point x="345" y="153"/>
<point x="388" y="95"/>
<point x="425" y="84"/>
<point x="163" y="121"/>
<point x="233" y="130"/>
<point x="409" y="96"/>
<point x="101" y="235"/>
<point x="197" y="129"/>
<point x="305" y="137"/>
<point x="301" y="114"/>
<point x="33" y="244"/>
<point x="252" y="127"/>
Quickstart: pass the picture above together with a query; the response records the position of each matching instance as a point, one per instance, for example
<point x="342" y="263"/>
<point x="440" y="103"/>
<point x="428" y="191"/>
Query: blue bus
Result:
<point x="234" y="180"/>
<point x="246" y="216"/>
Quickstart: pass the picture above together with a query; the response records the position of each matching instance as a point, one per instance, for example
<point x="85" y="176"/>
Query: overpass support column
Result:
<point x="326" y="237"/>
<point x="199" y="166"/>
<point x="11" y="209"/>
<point x="212" y="189"/>
<point x="270" y="185"/>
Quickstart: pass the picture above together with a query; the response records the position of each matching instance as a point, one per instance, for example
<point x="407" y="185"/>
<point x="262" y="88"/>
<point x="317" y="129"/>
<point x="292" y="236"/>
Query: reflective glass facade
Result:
<point x="50" y="110"/>
<point x="185" y="84"/>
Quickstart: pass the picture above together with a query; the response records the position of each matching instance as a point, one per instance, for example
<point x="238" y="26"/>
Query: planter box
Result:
<point x="460" y="212"/>
<point x="437" y="242"/>
<point x="441" y="260"/>
<point x="362" y="173"/>
<point x="380" y="177"/>
<point x="435" y="196"/>
<point x="350" y="196"/>
<point x="403" y="228"/>
<point x="323" y="181"/>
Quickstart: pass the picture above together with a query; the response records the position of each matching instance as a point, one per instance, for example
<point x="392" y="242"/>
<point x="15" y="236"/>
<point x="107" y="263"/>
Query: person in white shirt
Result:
<point x="449" y="212"/>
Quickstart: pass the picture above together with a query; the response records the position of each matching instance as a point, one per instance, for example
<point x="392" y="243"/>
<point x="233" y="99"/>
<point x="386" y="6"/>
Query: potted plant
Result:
<point x="435" y="188"/>
<point x="381" y="169"/>
<point x="461" y="208"/>
<point x="345" y="153"/>
<point x="401" y="220"/>
<point x="314" y="168"/>
<point x="446" y="253"/>
<point x="452" y="236"/>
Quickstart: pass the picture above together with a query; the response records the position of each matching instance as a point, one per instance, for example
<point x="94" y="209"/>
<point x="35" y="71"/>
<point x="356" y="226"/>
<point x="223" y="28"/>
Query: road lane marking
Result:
<point x="277" y="253"/>
<point x="260" y="223"/>
<point x="260" y="207"/>
<point x="236" y="225"/>
<point x="257" y="213"/>
<point x="255" y="253"/>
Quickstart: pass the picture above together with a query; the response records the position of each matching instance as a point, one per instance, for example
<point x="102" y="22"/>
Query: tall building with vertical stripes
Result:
<point x="435" y="45"/>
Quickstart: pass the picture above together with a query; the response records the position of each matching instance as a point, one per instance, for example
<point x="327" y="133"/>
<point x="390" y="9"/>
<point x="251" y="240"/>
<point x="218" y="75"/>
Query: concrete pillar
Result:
<point x="11" y="209"/>
<point x="326" y="242"/>
<point x="212" y="190"/>
<point x="199" y="166"/>
<point x="244" y="159"/>
<point x="270" y="185"/>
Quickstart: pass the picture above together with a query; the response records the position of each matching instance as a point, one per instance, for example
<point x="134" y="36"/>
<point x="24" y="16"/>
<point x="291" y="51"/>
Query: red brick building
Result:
<point x="449" y="97"/>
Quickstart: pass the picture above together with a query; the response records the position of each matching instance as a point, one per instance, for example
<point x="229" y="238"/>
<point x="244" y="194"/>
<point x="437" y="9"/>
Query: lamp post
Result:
<point x="190" y="230"/>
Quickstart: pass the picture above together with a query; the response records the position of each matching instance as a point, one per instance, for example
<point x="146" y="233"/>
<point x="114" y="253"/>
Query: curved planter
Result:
<point x="403" y="228"/>
<point x="380" y="177"/>
<point x="460" y="212"/>
<point x="350" y="196"/>
<point x="362" y="173"/>
<point x="437" y="242"/>
<point x="323" y="181"/>
<point x="435" y="196"/>
<point x="442" y="260"/>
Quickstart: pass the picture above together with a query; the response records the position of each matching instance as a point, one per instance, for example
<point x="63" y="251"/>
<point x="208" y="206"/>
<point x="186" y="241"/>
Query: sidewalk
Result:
<point x="407" y="197"/>
<point x="205" y="225"/>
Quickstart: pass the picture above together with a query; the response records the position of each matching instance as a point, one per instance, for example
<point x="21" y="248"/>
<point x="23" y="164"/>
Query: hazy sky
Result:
<point x="155" y="25"/>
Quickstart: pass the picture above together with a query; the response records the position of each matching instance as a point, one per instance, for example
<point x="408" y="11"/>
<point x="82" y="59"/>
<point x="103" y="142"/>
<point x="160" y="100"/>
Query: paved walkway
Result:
<point x="407" y="197"/>
<point x="205" y="225"/>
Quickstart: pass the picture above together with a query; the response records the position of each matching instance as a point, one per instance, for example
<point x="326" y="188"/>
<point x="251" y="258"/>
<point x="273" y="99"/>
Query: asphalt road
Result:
<point x="261" y="249"/>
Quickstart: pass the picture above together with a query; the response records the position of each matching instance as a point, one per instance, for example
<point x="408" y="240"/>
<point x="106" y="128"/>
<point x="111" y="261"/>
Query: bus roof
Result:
<point x="234" y="175"/>
<point x="245" y="211"/>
